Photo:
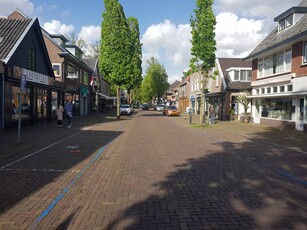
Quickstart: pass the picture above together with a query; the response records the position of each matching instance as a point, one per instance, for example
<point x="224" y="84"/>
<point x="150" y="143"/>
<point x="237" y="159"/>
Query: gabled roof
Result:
<point x="226" y="63"/>
<point x="275" y="38"/>
<point x="12" y="32"/>
<point x="91" y="62"/>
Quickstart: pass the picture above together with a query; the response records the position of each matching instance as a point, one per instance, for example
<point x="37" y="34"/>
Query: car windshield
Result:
<point x="124" y="106"/>
<point x="172" y="107"/>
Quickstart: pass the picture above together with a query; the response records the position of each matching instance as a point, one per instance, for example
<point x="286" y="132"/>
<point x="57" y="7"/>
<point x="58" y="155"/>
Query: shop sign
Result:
<point x="31" y="76"/>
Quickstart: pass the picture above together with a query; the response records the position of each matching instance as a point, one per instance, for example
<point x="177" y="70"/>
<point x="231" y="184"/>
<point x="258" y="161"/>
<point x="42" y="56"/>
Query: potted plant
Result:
<point x="245" y="101"/>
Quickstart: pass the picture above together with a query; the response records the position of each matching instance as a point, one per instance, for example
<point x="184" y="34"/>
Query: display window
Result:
<point x="20" y="104"/>
<point x="279" y="108"/>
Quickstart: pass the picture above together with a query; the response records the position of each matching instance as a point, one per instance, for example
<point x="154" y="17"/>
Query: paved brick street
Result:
<point x="148" y="171"/>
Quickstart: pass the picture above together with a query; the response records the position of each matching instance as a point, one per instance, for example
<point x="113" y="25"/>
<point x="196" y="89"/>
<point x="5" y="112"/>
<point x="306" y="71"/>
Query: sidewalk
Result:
<point x="34" y="137"/>
<point x="291" y="139"/>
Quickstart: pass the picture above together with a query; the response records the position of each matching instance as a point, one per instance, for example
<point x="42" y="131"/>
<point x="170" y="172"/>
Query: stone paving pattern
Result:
<point x="153" y="172"/>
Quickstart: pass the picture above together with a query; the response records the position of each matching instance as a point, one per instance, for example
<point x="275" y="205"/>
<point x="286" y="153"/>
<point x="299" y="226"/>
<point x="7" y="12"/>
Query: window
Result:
<point x="289" y="20"/>
<point x="282" y="24"/>
<point x="56" y="69"/>
<point x="268" y="66"/>
<point x="263" y="91"/>
<point x="268" y="90"/>
<point x="279" y="108"/>
<point x="288" y="59"/>
<point x="286" y="22"/>
<point x="305" y="53"/>
<point x="282" y="89"/>
<point x="32" y="59"/>
<point x="257" y="91"/>
<point x="289" y="88"/>
<point x="275" y="89"/>
<point x="260" y="69"/>
<point x="277" y="63"/>
<point x="237" y="75"/>
<point x="245" y="75"/>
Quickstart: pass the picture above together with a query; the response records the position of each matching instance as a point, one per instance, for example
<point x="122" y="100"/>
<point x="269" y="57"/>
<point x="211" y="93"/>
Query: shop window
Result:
<point x="21" y="104"/>
<point x="278" y="108"/>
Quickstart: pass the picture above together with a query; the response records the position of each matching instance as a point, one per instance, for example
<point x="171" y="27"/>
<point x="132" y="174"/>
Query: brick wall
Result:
<point x="277" y="123"/>
<point x="297" y="67"/>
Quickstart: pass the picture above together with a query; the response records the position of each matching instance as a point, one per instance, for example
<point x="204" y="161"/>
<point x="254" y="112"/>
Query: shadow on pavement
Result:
<point x="246" y="185"/>
<point x="40" y="169"/>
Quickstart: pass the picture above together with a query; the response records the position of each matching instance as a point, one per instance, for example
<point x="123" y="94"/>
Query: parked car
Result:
<point x="125" y="109"/>
<point x="171" y="110"/>
<point x="145" y="106"/>
<point x="159" y="108"/>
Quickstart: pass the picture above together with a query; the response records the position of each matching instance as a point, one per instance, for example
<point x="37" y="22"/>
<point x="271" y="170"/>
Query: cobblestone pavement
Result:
<point x="148" y="171"/>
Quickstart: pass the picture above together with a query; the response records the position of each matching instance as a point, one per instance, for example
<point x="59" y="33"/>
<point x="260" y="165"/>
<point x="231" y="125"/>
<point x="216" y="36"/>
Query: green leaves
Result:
<point x="115" y="46"/>
<point x="203" y="36"/>
<point x="155" y="82"/>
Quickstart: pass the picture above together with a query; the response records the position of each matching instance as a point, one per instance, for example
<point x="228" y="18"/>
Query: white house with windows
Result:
<point x="279" y="72"/>
<point x="233" y="78"/>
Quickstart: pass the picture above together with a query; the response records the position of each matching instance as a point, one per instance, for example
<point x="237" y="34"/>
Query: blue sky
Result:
<point x="164" y="24"/>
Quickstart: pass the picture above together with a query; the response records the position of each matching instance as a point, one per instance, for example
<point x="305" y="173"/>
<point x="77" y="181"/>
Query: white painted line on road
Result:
<point x="34" y="170"/>
<point x="31" y="154"/>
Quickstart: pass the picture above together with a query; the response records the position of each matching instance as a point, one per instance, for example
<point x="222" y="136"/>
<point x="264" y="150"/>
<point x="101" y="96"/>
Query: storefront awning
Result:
<point x="106" y="97"/>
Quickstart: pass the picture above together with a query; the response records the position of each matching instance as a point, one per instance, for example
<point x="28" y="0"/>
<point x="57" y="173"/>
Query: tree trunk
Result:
<point x="118" y="102"/>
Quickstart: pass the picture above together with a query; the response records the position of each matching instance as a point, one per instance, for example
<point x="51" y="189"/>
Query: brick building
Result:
<point x="279" y="72"/>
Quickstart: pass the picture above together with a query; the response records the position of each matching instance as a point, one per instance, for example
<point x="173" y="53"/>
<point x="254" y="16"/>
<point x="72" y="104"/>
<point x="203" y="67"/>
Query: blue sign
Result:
<point x="23" y="83"/>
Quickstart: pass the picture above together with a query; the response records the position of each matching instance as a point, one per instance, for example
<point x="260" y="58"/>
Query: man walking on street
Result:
<point x="68" y="110"/>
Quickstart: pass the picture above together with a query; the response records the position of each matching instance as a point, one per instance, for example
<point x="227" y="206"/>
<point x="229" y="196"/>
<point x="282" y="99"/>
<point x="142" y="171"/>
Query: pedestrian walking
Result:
<point x="68" y="111"/>
<point x="212" y="114"/>
<point x="59" y="114"/>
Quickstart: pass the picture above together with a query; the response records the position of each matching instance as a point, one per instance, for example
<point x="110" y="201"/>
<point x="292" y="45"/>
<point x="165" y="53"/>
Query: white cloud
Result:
<point x="9" y="6"/>
<point x="90" y="34"/>
<point x="56" y="27"/>
<point x="236" y="37"/>
<point x="170" y="44"/>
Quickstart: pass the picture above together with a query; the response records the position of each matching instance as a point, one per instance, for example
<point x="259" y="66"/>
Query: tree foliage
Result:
<point x="135" y="67"/>
<point x="244" y="100"/>
<point x="203" y="37"/>
<point x="155" y="82"/>
<point x="203" y="44"/>
<point x="115" y="44"/>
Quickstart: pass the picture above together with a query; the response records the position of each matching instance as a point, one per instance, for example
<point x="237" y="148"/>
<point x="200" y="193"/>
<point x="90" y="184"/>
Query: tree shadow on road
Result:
<point x="243" y="185"/>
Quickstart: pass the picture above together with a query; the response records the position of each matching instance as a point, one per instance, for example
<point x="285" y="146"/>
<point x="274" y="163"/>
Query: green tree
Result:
<point x="146" y="89"/>
<point x="243" y="99"/>
<point x="157" y="78"/>
<point x="115" y="47"/>
<point x="203" y="44"/>
<point x="136" y="57"/>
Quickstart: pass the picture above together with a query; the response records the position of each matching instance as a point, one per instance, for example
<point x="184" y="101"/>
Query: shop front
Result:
<point x="34" y="100"/>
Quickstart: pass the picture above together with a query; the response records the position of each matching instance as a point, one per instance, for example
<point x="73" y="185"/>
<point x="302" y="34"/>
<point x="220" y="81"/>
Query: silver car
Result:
<point x="125" y="109"/>
<point x="160" y="108"/>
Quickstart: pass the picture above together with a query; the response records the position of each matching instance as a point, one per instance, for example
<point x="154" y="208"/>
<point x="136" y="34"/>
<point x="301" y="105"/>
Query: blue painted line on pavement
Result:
<point x="60" y="196"/>
<point x="290" y="176"/>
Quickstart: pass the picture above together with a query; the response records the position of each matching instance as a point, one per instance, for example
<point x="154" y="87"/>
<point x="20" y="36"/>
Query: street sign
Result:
<point x="23" y="83"/>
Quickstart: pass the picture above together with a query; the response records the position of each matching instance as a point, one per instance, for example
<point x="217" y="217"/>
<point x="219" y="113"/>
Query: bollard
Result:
<point x="190" y="118"/>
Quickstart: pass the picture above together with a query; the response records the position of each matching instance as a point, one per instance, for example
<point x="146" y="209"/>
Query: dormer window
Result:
<point x="242" y="75"/>
<point x="286" y="22"/>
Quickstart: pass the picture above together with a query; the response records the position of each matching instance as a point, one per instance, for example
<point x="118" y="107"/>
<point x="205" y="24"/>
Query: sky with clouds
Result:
<point x="164" y="24"/>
